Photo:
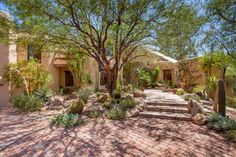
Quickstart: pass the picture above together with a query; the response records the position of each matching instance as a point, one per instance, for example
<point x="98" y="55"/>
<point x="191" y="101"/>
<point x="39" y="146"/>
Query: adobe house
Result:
<point x="153" y="59"/>
<point x="190" y="74"/>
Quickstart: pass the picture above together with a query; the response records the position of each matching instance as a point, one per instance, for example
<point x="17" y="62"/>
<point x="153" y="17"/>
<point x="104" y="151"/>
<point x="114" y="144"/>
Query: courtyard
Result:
<point x="31" y="135"/>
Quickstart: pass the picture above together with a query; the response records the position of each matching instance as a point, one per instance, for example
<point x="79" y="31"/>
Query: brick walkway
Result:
<point x="31" y="135"/>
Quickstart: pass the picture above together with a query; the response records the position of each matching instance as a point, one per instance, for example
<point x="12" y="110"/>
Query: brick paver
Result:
<point x="31" y="135"/>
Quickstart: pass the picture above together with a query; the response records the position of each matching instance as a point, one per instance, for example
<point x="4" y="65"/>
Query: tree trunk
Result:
<point x="111" y="76"/>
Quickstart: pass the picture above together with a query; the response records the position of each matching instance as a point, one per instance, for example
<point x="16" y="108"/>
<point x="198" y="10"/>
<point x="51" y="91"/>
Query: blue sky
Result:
<point x="197" y="3"/>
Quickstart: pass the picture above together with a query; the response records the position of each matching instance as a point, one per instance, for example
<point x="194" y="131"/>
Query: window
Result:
<point x="33" y="54"/>
<point x="69" y="81"/>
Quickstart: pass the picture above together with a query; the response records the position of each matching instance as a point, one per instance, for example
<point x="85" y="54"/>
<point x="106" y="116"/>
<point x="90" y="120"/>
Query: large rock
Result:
<point x="139" y="93"/>
<point x="141" y="104"/>
<point x="195" y="107"/>
<point x="199" y="119"/>
<point x="56" y="102"/>
<point x="132" y="112"/>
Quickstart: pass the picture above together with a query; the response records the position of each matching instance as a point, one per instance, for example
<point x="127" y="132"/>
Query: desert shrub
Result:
<point x="143" y="76"/>
<point x="180" y="92"/>
<point x="29" y="75"/>
<point x="211" y="83"/>
<point x="98" y="94"/>
<point x="188" y="97"/>
<point x="27" y="103"/>
<point x="94" y="114"/>
<point x="116" y="114"/>
<point x="200" y="91"/>
<point x="77" y="107"/>
<point x="44" y="94"/>
<point x="224" y="124"/>
<point x="84" y="94"/>
<point x="169" y="84"/>
<point x="231" y="134"/>
<point x="114" y="101"/>
<point x="107" y="104"/>
<point x="116" y="94"/>
<point x="127" y="103"/>
<point x="220" y="123"/>
<point x="66" y="120"/>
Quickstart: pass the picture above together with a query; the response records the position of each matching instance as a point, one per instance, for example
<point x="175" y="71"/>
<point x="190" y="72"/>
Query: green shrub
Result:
<point x="44" y="94"/>
<point x="28" y="75"/>
<point x="116" y="114"/>
<point x="84" y="94"/>
<point x="98" y="94"/>
<point x="114" y="101"/>
<point x="27" y="103"/>
<point x="127" y="103"/>
<point x="224" y="124"/>
<point x="231" y="134"/>
<point x="180" y="92"/>
<point x="77" y="107"/>
<point x="211" y="83"/>
<point x="220" y="123"/>
<point x="187" y="97"/>
<point x="116" y="94"/>
<point x="66" y="120"/>
<point x="94" y="114"/>
<point x="107" y="104"/>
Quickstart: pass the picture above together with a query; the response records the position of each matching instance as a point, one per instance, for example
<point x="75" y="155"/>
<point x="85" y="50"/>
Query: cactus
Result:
<point x="221" y="97"/>
<point x="77" y="107"/>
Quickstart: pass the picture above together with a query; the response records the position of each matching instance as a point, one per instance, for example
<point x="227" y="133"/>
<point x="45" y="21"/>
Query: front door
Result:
<point x="69" y="80"/>
<point x="167" y="75"/>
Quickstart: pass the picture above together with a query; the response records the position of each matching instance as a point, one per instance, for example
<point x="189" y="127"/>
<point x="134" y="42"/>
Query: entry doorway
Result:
<point x="167" y="75"/>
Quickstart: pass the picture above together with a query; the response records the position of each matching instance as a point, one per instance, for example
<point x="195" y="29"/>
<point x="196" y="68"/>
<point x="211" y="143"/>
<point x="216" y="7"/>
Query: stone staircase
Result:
<point x="165" y="105"/>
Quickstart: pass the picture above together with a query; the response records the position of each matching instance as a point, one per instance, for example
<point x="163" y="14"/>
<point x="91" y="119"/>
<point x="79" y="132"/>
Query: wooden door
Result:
<point x="167" y="75"/>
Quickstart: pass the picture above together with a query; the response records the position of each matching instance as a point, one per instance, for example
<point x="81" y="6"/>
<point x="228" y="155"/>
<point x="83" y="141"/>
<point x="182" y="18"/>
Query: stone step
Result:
<point x="172" y="109"/>
<point x="166" y="115"/>
<point x="179" y="104"/>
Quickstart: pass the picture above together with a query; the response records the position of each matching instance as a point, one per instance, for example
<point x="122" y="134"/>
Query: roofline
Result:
<point x="162" y="55"/>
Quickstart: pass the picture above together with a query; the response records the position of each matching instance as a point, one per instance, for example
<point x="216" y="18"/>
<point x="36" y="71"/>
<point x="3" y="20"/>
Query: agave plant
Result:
<point x="44" y="94"/>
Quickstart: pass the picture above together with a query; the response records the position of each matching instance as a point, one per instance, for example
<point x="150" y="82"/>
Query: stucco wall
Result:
<point x="47" y="59"/>
<point x="4" y="86"/>
<point x="7" y="55"/>
<point x="151" y="60"/>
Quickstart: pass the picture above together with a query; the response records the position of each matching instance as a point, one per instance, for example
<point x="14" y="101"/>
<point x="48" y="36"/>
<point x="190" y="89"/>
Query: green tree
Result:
<point x="222" y="22"/>
<point x="177" y="30"/>
<point x="97" y="27"/>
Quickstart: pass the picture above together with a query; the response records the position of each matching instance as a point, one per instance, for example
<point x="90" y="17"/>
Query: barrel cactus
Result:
<point x="77" y="107"/>
<point x="221" y="97"/>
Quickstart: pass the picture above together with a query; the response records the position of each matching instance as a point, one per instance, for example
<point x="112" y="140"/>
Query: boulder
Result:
<point x="141" y="104"/>
<point x="56" y="103"/>
<point x="132" y="112"/>
<point x="199" y="119"/>
<point x="195" y="107"/>
<point x="139" y="93"/>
